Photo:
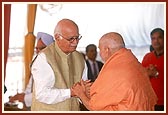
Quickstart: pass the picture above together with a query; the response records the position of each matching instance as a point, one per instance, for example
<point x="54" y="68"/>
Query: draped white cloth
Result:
<point x="134" y="21"/>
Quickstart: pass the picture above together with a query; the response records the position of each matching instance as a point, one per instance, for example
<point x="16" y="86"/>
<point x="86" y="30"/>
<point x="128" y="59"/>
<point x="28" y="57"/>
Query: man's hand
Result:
<point x="152" y="70"/>
<point x="19" y="96"/>
<point x="86" y="86"/>
<point x="82" y="90"/>
<point x="72" y="91"/>
<point x="82" y="87"/>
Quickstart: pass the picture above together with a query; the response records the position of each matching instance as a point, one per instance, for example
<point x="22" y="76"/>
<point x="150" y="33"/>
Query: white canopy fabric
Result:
<point x="134" y="21"/>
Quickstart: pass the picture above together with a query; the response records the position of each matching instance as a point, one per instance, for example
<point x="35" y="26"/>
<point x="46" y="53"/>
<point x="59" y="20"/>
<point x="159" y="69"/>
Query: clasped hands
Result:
<point x="81" y="88"/>
<point x="152" y="70"/>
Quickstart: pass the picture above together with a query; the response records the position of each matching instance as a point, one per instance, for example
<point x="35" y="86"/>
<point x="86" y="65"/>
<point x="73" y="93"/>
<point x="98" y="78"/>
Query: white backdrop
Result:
<point x="134" y="21"/>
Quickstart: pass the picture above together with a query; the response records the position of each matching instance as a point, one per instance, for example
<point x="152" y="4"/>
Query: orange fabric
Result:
<point x="122" y="85"/>
<point x="29" y="41"/>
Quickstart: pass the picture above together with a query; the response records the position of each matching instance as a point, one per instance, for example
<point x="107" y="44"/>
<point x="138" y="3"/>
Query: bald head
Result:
<point x="66" y="26"/>
<point x="110" y="43"/>
<point x="112" y="40"/>
<point x="66" y="35"/>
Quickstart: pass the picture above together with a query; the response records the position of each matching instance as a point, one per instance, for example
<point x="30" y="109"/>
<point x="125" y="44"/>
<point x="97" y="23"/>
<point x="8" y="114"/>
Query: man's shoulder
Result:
<point x="77" y="53"/>
<point x="149" y="54"/>
<point x="148" y="58"/>
<point x="99" y="62"/>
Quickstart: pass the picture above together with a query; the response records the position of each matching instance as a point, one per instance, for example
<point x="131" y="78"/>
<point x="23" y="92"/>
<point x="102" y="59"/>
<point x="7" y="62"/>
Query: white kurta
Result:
<point x="28" y="93"/>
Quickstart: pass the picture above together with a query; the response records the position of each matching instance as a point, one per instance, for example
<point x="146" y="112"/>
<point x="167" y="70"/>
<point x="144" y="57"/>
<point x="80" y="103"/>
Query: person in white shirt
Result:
<point x="43" y="40"/>
<point x="56" y="69"/>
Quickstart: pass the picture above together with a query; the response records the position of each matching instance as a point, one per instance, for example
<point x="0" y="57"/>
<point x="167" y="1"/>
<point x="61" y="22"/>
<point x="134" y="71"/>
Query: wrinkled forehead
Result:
<point x="70" y="30"/>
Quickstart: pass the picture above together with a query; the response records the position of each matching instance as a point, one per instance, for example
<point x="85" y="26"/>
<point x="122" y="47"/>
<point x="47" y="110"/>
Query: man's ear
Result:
<point x="56" y="37"/>
<point x="106" y="48"/>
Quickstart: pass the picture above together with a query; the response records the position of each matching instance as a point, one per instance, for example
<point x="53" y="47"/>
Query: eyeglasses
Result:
<point x="72" y="38"/>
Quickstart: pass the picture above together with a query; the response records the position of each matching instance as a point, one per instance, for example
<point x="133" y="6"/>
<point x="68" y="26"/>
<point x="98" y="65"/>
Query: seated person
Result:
<point x="43" y="40"/>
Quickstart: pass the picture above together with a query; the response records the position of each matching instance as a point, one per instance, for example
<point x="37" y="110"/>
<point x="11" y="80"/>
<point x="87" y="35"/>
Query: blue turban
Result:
<point x="46" y="38"/>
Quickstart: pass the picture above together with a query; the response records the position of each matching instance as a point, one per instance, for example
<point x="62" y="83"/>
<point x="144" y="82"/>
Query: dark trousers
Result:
<point x="159" y="107"/>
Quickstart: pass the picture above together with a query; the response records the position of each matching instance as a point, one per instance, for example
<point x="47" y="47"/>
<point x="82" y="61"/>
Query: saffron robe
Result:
<point x="122" y="85"/>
